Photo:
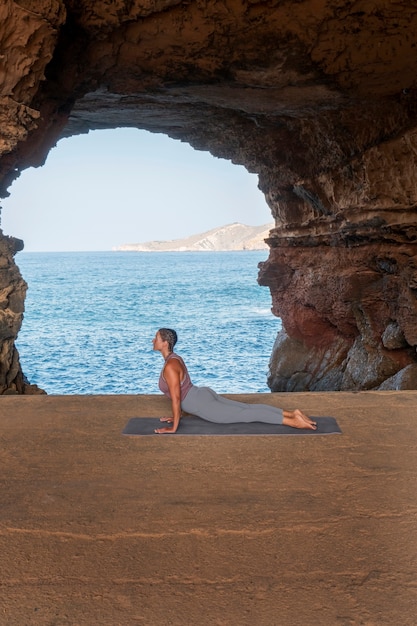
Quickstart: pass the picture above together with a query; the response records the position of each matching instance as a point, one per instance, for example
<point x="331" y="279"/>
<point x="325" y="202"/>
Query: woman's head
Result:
<point x="169" y="335"/>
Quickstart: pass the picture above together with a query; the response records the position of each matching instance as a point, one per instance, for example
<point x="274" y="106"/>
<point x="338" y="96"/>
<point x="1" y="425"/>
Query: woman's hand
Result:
<point x="169" y="420"/>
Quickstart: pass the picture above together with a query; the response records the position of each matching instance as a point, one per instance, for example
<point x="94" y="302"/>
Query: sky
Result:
<point x="110" y="187"/>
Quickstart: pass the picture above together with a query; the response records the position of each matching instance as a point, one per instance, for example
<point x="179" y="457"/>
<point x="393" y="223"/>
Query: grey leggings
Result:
<point x="207" y="404"/>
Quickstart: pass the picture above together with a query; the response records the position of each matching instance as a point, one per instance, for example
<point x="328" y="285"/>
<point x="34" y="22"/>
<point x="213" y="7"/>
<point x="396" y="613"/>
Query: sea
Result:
<point x="90" y="318"/>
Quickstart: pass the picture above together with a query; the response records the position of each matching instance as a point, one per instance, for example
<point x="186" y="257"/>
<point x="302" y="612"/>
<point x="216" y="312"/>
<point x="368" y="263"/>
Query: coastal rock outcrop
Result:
<point x="318" y="98"/>
<point x="224" y="238"/>
<point x="12" y="300"/>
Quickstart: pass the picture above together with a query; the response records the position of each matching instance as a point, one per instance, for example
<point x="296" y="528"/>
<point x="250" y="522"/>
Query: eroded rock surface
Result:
<point x="317" y="98"/>
<point x="12" y="299"/>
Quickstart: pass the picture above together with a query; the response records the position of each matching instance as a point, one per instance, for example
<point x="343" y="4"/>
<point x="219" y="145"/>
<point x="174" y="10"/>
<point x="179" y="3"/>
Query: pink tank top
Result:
<point x="186" y="383"/>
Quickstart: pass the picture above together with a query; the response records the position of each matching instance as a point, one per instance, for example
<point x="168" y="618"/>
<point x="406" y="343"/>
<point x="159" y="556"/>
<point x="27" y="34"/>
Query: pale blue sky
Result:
<point x="121" y="186"/>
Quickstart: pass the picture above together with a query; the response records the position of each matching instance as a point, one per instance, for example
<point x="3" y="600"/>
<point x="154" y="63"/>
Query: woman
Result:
<point x="175" y="382"/>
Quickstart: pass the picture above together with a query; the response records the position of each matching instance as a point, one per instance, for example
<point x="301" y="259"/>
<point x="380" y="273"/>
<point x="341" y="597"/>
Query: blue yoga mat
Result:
<point x="197" y="426"/>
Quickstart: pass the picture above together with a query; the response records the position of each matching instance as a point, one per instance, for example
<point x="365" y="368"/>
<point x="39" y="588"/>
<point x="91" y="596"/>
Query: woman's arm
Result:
<point x="173" y="374"/>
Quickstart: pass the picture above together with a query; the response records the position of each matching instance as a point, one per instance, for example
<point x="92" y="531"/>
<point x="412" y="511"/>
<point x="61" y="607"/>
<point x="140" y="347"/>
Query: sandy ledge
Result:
<point x="101" y="529"/>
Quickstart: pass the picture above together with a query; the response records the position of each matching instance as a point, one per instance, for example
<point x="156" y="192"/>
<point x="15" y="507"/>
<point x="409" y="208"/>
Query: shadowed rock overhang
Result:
<point x="317" y="98"/>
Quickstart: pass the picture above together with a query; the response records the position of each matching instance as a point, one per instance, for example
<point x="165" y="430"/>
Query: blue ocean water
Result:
<point x="90" y="318"/>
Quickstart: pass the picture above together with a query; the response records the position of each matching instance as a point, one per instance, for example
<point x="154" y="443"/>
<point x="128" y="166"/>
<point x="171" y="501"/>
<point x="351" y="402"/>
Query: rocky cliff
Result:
<point x="318" y="98"/>
<point x="230" y="237"/>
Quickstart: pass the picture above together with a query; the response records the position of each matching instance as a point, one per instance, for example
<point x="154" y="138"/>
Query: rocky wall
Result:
<point x="12" y="300"/>
<point x="319" y="98"/>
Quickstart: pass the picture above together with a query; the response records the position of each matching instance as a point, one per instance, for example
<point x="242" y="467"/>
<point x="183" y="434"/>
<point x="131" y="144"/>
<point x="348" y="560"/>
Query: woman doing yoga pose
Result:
<point x="175" y="382"/>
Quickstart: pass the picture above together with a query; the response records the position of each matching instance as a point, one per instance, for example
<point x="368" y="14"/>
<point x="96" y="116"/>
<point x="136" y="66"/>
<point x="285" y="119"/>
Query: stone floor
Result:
<point x="101" y="529"/>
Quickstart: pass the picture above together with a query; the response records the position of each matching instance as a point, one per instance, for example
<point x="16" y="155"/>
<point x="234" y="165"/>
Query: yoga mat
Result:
<point x="197" y="426"/>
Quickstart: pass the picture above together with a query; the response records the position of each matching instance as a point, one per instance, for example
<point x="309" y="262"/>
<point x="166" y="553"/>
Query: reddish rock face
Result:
<point x="318" y="98"/>
<point x="12" y="297"/>
<point x="349" y="314"/>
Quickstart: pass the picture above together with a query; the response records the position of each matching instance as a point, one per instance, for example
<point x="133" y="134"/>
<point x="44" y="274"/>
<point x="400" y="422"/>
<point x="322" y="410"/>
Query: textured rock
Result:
<point x="393" y="337"/>
<point x="318" y="98"/>
<point x="12" y="299"/>
<point x="404" y="379"/>
<point x="342" y="305"/>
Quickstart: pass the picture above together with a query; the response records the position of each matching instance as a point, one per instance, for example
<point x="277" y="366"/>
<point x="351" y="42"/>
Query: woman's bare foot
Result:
<point x="297" y="419"/>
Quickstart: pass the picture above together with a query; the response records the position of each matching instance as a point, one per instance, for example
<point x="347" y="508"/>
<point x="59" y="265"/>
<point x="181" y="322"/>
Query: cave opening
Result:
<point x="91" y="310"/>
<point x="332" y="137"/>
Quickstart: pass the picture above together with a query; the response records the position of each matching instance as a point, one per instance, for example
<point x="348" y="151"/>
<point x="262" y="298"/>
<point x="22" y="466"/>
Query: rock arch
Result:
<point x="317" y="98"/>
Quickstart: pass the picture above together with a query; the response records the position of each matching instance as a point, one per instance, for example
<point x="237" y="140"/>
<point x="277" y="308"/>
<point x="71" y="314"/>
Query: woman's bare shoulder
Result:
<point x="175" y="363"/>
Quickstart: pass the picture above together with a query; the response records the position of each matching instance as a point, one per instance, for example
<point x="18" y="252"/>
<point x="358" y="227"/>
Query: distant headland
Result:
<point x="230" y="237"/>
